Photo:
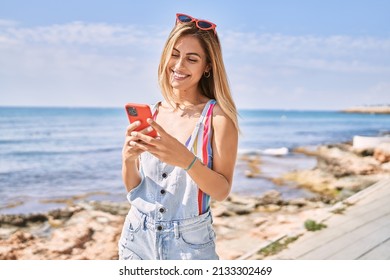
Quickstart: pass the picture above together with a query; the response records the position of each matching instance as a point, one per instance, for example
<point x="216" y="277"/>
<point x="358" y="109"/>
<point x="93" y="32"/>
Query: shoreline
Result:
<point x="368" y="110"/>
<point x="252" y="170"/>
<point x="245" y="226"/>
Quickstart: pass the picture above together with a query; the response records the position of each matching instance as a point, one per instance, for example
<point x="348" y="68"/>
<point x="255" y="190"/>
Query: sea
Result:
<point x="50" y="157"/>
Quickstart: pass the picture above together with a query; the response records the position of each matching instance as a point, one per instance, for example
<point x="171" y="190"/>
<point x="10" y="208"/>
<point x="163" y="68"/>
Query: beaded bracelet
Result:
<point x="191" y="164"/>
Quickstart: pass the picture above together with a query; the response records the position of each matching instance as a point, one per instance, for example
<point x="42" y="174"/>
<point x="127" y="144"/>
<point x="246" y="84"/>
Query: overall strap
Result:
<point x="202" y="147"/>
<point x="154" y="109"/>
<point x="200" y="122"/>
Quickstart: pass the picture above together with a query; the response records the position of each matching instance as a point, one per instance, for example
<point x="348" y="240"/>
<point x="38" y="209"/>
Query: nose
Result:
<point x="179" y="63"/>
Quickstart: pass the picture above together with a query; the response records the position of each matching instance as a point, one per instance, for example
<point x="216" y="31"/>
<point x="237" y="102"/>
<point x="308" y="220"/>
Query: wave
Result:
<point x="66" y="152"/>
<point x="280" y="151"/>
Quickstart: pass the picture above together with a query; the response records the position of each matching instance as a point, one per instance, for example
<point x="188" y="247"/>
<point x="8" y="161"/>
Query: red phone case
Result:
<point x="139" y="112"/>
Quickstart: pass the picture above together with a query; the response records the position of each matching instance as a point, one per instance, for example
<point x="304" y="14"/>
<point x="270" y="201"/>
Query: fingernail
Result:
<point x="149" y="120"/>
<point x="149" y="129"/>
<point x="133" y="133"/>
<point x="137" y="123"/>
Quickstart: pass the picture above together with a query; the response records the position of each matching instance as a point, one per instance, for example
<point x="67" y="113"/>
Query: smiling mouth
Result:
<point x="179" y="76"/>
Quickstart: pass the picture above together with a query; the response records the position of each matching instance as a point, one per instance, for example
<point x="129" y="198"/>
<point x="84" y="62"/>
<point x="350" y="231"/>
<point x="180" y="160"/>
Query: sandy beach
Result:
<point x="247" y="227"/>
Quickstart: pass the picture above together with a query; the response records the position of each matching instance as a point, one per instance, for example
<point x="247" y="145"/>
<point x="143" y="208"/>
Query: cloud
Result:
<point x="81" y="33"/>
<point x="104" y="64"/>
<point x="276" y="43"/>
<point x="77" y="63"/>
<point x="332" y="53"/>
<point x="306" y="72"/>
<point x="7" y="23"/>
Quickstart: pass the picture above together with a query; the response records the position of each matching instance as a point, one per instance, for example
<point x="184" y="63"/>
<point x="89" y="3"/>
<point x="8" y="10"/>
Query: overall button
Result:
<point x="162" y="191"/>
<point x="162" y="210"/>
<point x="164" y="175"/>
<point x="159" y="228"/>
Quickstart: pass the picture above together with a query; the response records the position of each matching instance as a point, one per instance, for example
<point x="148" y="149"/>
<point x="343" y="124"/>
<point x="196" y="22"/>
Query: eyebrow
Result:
<point x="188" y="53"/>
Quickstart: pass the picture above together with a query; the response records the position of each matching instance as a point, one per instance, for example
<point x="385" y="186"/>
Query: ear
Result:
<point x="207" y="68"/>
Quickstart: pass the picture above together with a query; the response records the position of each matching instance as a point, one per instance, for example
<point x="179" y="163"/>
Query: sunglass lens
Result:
<point x="204" y="24"/>
<point x="184" y="18"/>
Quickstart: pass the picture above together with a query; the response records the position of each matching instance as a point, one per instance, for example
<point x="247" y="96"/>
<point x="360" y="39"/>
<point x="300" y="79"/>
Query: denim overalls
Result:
<point x="170" y="216"/>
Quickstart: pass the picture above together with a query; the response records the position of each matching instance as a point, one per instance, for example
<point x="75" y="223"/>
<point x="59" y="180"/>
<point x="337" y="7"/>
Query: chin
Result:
<point x="178" y="86"/>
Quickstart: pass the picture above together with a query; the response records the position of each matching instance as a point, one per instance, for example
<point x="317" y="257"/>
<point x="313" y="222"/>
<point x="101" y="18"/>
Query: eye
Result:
<point x="192" y="60"/>
<point x="175" y="53"/>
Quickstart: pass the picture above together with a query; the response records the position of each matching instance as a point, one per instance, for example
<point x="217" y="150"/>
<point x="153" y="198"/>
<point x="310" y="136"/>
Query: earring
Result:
<point x="207" y="74"/>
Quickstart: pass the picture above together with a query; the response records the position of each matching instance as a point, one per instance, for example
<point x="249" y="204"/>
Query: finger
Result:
<point x="131" y="127"/>
<point x="131" y="152"/>
<point x="138" y="146"/>
<point x="147" y="130"/>
<point x="130" y="138"/>
<point x="139" y="136"/>
<point x="132" y="148"/>
<point x="131" y="143"/>
<point x="156" y="126"/>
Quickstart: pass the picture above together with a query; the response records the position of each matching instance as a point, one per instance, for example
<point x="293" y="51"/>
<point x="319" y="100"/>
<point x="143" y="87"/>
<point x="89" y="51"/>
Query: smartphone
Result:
<point x="140" y="112"/>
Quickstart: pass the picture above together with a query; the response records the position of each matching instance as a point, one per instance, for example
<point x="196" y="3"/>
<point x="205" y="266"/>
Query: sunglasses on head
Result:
<point x="200" y="23"/>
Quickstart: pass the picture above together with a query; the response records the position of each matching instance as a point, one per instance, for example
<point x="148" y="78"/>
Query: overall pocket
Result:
<point x="201" y="236"/>
<point x="131" y="225"/>
<point x="132" y="222"/>
<point x="127" y="254"/>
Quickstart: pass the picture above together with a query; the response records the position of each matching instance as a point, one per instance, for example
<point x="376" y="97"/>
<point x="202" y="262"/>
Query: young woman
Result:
<point x="170" y="179"/>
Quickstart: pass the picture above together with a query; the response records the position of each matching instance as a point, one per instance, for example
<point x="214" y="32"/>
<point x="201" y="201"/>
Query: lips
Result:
<point x="179" y="76"/>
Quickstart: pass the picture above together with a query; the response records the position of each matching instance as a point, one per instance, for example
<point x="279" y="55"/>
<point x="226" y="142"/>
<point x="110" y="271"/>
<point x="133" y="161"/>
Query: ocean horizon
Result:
<point x="51" y="154"/>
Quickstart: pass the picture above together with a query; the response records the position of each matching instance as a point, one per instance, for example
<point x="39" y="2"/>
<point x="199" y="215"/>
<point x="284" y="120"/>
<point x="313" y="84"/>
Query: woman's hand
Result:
<point x="165" y="147"/>
<point x="130" y="150"/>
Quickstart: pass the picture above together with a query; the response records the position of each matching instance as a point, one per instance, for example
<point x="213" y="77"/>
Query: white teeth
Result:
<point x="177" y="75"/>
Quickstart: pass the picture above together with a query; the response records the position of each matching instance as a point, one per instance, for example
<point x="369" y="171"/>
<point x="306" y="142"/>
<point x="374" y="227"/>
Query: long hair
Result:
<point x="216" y="86"/>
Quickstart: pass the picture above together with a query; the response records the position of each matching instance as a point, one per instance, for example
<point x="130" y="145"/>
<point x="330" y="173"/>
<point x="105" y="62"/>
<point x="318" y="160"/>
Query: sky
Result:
<point x="280" y="54"/>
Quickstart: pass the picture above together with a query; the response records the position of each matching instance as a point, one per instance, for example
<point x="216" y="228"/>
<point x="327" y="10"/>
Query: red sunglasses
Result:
<point x="200" y="23"/>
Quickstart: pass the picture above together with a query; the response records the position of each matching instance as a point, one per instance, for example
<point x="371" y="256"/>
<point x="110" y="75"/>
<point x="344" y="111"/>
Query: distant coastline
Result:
<point x="380" y="109"/>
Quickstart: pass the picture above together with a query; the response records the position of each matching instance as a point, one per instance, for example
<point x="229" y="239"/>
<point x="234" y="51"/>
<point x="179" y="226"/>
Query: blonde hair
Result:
<point x="216" y="86"/>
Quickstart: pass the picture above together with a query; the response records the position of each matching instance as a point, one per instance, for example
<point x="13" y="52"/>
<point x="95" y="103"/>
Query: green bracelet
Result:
<point x="191" y="164"/>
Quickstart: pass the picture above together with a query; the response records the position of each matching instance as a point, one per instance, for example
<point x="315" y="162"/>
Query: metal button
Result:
<point x="164" y="175"/>
<point x="162" y="210"/>
<point x="159" y="227"/>
<point x="162" y="191"/>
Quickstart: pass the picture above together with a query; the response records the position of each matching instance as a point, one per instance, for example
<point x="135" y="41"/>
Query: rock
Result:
<point x="386" y="167"/>
<point x="71" y="233"/>
<point x="22" y="219"/>
<point x="20" y="238"/>
<point x="259" y="221"/>
<point x="270" y="197"/>
<point x="111" y="207"/>
<point x="299" y="202"/>
<point x="368" y="143"/>
<point x="221" y="211"/>
<point x="240" y="209"/>
<point x="342" y="171"/>
<point x="382" y="152"/>
<point x="253" y="165"/>
<point x="79" y="238"/>
<point x="307" y="150"/>
<point x="341" y="163"/>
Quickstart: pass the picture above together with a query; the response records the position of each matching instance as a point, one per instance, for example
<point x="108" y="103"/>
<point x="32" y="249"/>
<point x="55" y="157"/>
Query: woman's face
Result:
<point x="187" y="64"/>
